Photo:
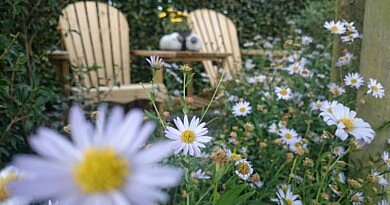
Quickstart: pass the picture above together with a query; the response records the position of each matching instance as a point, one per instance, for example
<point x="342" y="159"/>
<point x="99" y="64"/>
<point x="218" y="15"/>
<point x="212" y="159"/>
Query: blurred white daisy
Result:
<point x="249" y="64"/>
<point x="288" y="136"/>
<point x="386" y="159"/>
<point x="341" y="177"/>
<point x="283" y="93"/>
<point x="317" y="105"/>
<point x="350" y="37"/>
<point x="256" y="79"/>
<point x="241" y="108"/>
<point x="257" y="37"/>
<point x="305" y="73"/>
<point x="243" y="169"/>
<point x="296" y="57"/>
<point x="335" y="89"/>
<point x="286" y="197"/>
<point x="273" y="128"/>
<point x="327" y="106"/>
<point x="335" y="27"/>
<point x="383" y="202"/>
<point x="347" y="123"/>
<point x="354" y="80"/>
<point x="294" y="68"/>
<point x="344" y="60"/>
<point x="338" y="150"/>
<point x="335" y="189"/>
<point x="375" y="88"/>
<point x="200" y="174"/>
<point x="189" y="137"/>
<point x="156" y="62"/>
<point x="357" y="198"/>
<point x="378" y="178"/>
<point x="249" y="44"/>
<point x="349" y="26"/>
<point x="7" y="176"/>
<point x="296" y="144"/>
<point x="306" y="40"/>
<point x="105" y="165"/>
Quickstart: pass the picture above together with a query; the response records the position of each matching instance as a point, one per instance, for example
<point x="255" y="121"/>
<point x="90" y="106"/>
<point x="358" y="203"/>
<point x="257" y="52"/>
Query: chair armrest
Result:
<point x="58" y="55"/>
<point x="260" y="52"/>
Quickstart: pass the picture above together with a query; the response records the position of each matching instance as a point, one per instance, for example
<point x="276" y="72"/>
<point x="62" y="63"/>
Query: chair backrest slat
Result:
<point x="219" y="35"/>
<point x="96" y="33"/>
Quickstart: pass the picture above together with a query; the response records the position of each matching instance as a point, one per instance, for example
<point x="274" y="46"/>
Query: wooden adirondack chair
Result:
<point x="97" y="34"/>
<point x="219" y="35"/>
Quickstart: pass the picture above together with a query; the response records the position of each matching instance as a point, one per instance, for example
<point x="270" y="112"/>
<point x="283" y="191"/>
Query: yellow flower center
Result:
<point x="288" y="135"/>
<point x="348" y="123"/>
<point x="336" y="149"/>
<point x="304" y="72"/>
<point x="374" y="88"/>
<point x="242" y="109"/>
<point x="243" y="168"/>
<point x="336" y="91"/>
<point x="388" y="161"/>
<point x="353" y="80"/>
<point x="4" y="193"/>
<point x="188" y="136"/>
<point x="288" y="201"/>
<point x="318" y="105"/>
<point x="235" y="156"/>
<point x="101" y="170"/>
<point x="283" y="91"/>
<point x="295" y="68"/>
<point x="334" y="28"/>
<point x="330" y="110"/>
<point x="297" y="145"/>
<point x="355" y="198"/>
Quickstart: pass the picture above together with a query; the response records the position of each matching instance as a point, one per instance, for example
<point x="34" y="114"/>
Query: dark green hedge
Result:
<point x="31" y="96"/>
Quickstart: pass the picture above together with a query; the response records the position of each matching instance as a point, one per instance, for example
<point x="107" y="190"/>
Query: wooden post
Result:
<point x="350" y="10"/>
<point x="375" y="63"/>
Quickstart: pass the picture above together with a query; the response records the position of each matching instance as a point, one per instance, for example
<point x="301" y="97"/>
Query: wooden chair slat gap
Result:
<point x="83" y="43"/>
<point x="236" y="48"/>
<point x="112" y="71"/>
<point x="209" y="29"/>
<point x="91" y="18"/>
<point x="206" y="44"/>
<point x="120" y="53"/>
<point x="205" y="37"/>
<point x="105" y="35"/>
<point x="224" y="34"/>
<point x="102" y="71"/>
<point x="79" y="59"/>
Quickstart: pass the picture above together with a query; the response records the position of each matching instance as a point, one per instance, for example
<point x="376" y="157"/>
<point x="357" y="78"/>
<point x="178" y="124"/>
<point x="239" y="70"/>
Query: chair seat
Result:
<point x="123" y="93"/>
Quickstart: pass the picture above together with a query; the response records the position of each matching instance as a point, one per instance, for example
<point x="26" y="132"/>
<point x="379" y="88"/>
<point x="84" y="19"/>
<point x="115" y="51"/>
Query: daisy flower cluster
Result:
<point x="344" y="28"/>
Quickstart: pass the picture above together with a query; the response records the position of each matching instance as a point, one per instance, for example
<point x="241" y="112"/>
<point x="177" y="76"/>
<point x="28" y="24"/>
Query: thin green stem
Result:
<point x="184" y="85"/>
<point x="152" y="99"/>
<point x="292" y="169"/>
<point x="215" y="92"/>
<point x="327" y="171"/>
<point x="188" y="178"/>
<point x="204" y="194"/>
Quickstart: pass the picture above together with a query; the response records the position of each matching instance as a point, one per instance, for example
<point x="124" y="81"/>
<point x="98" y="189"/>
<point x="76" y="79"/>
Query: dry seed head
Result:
<point x="263" y="144"/>
<point x="249" y="127"/>
<point x="218" y="156"/>
<point x="254" y="177"/>
<point x="233" y="134"/>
